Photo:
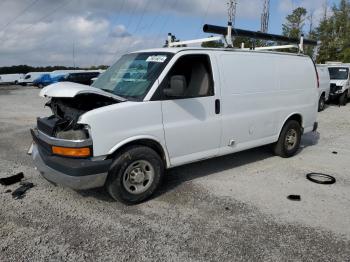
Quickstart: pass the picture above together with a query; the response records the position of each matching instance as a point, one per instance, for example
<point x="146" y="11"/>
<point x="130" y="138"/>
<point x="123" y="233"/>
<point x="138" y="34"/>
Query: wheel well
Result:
<point x="297" y="118"/>
<point x="324" y="94"/>
<point x="143" y="142"/>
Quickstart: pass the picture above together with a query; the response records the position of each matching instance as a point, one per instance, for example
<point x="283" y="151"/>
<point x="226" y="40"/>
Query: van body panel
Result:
<point x="325" y="81"/>
<point x="111" y="125"/>
<point x="260" y="92"/>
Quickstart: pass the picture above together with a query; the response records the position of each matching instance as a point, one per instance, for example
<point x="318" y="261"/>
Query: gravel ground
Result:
<point x="225" y="209"/>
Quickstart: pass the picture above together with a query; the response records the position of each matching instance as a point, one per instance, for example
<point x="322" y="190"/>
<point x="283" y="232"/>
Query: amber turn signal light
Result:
<point x="72" y="152"/>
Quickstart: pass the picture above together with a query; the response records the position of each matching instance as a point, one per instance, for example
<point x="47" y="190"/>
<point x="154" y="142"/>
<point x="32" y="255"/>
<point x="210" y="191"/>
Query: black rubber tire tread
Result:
<point x="114" y="184"/>
<point x="311" y="176"/>
<point x="320" y="107"/>
<point x="279" y="148"/>
<point x="343" y="99"/>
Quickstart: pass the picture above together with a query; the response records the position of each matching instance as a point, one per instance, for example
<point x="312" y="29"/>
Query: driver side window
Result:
<point x="194" y="72"/>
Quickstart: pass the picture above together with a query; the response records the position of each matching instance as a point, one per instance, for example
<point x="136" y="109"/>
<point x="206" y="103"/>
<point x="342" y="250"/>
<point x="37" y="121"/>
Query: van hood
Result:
<point x="70" y="90"/>
<point x="339" y="82"/>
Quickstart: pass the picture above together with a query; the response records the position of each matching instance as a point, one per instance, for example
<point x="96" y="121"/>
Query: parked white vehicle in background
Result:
<point x="161" y="108"/>
<point x="11" y="78"/>
<point x="325" y="85"/>
<point x="340" y="83"/>
<point x="30" y="77"/>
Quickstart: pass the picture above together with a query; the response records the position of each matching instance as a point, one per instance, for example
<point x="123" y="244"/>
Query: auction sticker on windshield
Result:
<point x="156" y="58"/>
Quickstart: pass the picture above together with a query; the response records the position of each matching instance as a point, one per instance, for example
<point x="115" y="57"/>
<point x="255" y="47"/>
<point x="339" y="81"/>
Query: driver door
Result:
<point x="191" y="120"/>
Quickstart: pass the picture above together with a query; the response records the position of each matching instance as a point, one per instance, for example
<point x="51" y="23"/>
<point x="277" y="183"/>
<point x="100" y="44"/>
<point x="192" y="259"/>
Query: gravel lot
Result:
<point x="224" y="209"/>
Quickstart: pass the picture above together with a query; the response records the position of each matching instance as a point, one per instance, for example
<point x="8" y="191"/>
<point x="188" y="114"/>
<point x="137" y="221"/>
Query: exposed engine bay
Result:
<point x="66" y="112"/>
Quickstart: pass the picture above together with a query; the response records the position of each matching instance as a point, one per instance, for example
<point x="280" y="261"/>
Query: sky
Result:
<point x="49" y="32"/>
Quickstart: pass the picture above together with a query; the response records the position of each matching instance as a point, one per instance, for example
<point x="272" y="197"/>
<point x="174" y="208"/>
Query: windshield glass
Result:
<point x="338" y="73"/>
<point x="133" y="75"/>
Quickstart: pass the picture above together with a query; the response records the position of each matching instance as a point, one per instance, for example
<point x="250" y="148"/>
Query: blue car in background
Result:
<point x="48" y="79"/>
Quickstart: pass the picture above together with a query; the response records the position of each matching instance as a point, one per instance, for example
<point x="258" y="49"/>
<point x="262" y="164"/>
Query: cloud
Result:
<point x="119" y="31"/>
<point x="100" y="30"/>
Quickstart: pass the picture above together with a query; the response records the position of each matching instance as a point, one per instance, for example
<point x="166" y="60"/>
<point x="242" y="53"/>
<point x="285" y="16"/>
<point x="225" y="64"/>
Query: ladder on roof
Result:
<point x="226" y="34"/>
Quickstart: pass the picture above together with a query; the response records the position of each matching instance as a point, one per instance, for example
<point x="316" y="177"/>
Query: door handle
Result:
<point x="217" y="106"/>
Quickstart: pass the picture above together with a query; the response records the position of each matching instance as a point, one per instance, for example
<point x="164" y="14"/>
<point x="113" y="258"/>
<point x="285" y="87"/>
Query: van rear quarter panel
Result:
<point x="260" y="91"/>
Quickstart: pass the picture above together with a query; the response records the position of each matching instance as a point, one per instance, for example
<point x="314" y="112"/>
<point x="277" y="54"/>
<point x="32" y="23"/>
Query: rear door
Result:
<point x="192" y="122"/>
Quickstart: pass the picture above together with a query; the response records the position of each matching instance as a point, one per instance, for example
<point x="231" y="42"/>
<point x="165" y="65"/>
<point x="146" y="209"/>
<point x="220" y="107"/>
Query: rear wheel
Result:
<point x="135" y="175"/>
<point x="343" y="99"/>
<point x="40" y="86"/>
<point x="321" y="103"/>
<point x="289" y="140"/>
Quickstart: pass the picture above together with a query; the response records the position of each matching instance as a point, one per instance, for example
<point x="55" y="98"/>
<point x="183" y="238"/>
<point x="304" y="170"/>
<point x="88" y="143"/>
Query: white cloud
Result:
<point x="90" y="26"/>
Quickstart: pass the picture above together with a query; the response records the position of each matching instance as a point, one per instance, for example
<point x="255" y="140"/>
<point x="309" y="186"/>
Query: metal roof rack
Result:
<point x="228" y="33"/>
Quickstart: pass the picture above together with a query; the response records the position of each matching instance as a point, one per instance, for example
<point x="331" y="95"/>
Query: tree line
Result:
<point x="333" y="30"/>
<point x="23" y="69"/>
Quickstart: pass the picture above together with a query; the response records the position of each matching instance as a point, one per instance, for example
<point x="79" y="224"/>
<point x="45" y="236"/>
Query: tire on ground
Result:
<point x="284" y="146"/>
<point x="115" y="183"/>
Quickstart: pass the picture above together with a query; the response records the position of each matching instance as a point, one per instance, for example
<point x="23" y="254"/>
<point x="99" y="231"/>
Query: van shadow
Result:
<point x="176" y="176"/>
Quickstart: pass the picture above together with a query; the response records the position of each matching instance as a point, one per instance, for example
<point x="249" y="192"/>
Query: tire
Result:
<point x="16" y="82"/>
<point x="321" y="103"/>
<point x="285" y="146"/>
<point x="343" y="99"/>
<point x="130" y="172"/>
<point x="40" y="86"/>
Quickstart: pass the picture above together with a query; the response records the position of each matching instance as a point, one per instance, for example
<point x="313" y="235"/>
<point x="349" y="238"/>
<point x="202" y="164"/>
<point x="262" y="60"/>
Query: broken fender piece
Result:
<point x="19" y="193"/>
<point x="294" y="197"/>
<point x="12" y="179"/>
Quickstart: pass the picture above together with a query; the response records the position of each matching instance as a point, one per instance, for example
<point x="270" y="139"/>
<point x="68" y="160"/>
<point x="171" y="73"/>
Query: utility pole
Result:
<point x="265" y="17"/>
<point x="231" y="9"/>
<point x="73" y="54"/>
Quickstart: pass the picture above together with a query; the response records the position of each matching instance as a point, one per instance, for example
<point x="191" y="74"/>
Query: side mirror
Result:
<point x="177" y="86"/>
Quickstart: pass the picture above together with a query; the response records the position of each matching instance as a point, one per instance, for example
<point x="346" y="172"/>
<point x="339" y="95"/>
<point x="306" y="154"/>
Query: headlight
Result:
<point x="74" y="134"/>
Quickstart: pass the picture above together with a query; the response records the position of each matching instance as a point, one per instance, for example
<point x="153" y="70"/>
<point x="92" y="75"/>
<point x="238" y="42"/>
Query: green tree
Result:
<point x="213" y="44"/>
<point x="294" y="25"/>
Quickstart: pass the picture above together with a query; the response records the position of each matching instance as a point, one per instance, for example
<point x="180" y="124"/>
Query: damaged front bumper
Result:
<point x="78" y="174"/>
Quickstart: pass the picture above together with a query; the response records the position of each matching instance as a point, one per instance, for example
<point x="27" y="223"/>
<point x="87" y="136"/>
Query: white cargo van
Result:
<point x="161" y="108"/>
<point x="30" y="77"/>
<point x="340" y="82"/>
<point x="11" y="78"/>
<point x="325" y="85"/>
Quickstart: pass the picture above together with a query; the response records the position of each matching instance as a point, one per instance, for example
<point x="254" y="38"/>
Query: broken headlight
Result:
<point x="81" y="132"/>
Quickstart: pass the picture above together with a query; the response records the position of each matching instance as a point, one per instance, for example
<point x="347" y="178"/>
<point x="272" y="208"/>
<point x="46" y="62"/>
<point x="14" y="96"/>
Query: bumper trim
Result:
<point x="74" y="182"/>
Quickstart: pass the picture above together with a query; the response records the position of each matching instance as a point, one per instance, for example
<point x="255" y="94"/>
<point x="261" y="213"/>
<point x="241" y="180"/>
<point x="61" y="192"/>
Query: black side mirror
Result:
<point x="177" y="88"/>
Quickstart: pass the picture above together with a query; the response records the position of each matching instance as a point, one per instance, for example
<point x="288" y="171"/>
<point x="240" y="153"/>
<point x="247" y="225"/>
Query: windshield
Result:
<point x="338" y="73"/>
<point x="133" y="75"/>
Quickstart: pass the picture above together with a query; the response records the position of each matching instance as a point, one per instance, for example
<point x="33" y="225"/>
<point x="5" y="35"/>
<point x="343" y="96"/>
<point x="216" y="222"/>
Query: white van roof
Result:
<point x="175" y="50"/>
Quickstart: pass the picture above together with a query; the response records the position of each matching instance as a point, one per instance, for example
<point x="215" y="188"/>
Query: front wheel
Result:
<point x="289" y="140"/>
<point x="135" y="175"/>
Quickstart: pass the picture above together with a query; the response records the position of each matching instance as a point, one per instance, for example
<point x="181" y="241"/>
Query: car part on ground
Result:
<point x="12" y="179"/>
<point x="20" y="192"/>
<point x="321" y="178"/>
<point x="294" y="197"/>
